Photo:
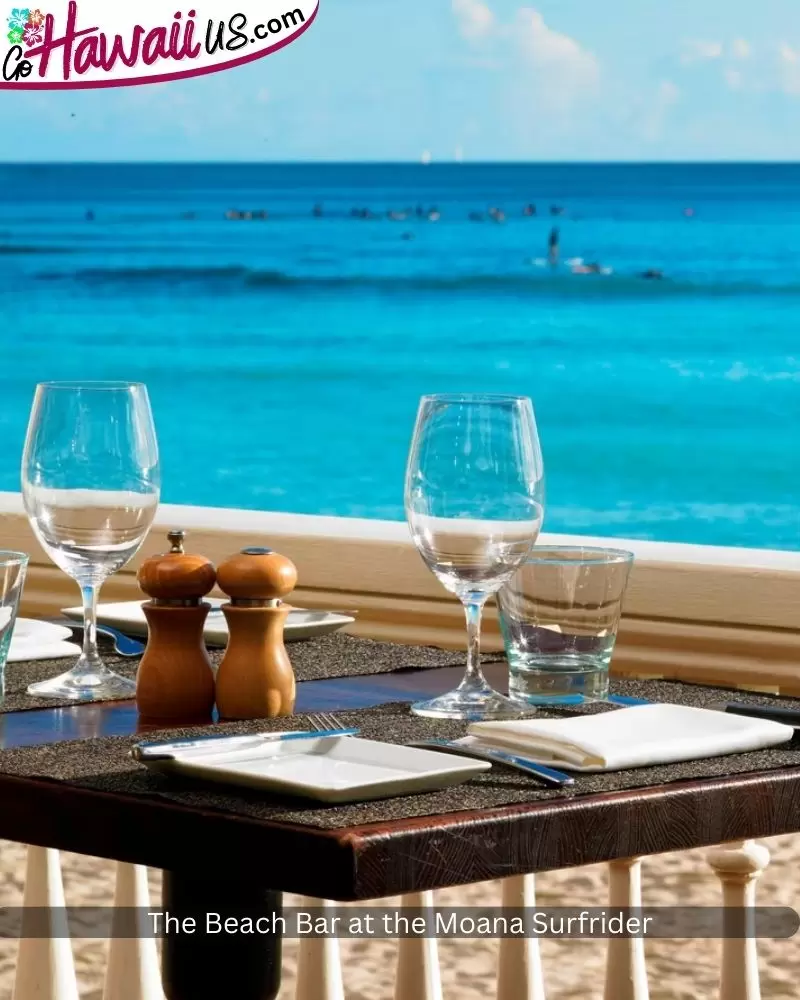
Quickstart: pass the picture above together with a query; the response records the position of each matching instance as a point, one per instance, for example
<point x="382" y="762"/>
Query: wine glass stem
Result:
<point x="473" y="610"/>
<point x="90" y="657"/>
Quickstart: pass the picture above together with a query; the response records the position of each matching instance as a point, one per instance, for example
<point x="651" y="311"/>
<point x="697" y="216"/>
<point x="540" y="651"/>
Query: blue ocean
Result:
<point x="287" y="318"/>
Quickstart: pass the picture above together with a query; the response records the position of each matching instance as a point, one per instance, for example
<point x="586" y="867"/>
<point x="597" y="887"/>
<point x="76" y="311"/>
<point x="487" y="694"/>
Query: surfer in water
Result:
<point x="553" y="247"/>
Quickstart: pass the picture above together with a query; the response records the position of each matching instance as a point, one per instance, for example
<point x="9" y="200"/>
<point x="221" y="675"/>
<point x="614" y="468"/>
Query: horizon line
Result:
<point x="401" y="163"/>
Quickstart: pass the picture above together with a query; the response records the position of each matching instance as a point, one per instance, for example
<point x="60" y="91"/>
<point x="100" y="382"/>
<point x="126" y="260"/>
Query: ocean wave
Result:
<point x="26" y="249"/>
<point x="613" y="286"/>
<point x="159" y="275"/>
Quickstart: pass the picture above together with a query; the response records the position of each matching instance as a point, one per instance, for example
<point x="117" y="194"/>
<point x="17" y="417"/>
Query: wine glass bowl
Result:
<point x="91" y="486"/>
<point x="474" y="504"/>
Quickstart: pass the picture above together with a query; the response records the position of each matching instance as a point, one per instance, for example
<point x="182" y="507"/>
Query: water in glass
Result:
<point x="559" y="615"/>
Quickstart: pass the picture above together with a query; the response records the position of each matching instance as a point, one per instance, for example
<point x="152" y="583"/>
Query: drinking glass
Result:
<point x="13" y="566"/>
<point x="90" y="484"/>
<point x="559" y="615"/>
<point x="473" y="496"/>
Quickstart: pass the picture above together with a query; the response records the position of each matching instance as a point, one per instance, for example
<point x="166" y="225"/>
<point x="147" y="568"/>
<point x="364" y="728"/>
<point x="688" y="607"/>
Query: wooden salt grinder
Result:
<point x="255" y="679"/>
<point x="175" y="680"/>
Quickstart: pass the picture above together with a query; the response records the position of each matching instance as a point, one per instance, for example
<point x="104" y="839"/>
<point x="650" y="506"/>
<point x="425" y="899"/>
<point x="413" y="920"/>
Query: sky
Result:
<point x="469" y="80"/>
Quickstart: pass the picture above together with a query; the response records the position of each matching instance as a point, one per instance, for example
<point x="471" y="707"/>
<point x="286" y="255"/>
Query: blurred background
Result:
<point x="435" y="197"/>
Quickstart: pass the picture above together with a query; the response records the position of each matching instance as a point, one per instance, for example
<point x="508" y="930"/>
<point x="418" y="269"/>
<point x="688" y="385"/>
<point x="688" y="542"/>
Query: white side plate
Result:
<point x="347" y="769"/>
<point x="128" y="617"/>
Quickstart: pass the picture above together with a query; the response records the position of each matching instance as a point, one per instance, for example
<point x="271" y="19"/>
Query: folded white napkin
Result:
<point x="35" y="640"/>
<point x="631" y="737"/>
<point x="21" y="651"/>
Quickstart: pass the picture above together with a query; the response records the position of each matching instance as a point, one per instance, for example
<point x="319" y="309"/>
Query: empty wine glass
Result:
<point x="473" y="496"/>
<point x="90" y="484"/>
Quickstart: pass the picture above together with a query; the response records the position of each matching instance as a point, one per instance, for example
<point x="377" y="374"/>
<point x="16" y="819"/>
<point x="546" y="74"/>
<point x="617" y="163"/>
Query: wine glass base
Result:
<point x="471" y="706"/>
<point x="97" y="685"/>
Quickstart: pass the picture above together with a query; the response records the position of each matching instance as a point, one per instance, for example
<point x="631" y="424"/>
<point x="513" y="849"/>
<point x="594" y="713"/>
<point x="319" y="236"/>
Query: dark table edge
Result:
<point x="381" y="859"/>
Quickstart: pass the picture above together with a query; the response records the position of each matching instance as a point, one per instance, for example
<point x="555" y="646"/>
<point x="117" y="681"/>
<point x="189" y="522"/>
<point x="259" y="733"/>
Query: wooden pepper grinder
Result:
<point x="175" y="680"/>
<point x="255" y="679"/>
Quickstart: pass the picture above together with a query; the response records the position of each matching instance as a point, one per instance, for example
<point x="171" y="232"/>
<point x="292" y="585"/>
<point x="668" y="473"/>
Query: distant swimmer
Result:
<point x="317" y="211"/>
<point x="407" y="236"/>
<point x="553" y="246"/>
<point x="592" y="268"/>
<point x="652" y="273"/>
<point x="396" y="216"/>
<point x="434" y="215"/>
<point x="688" y="212"/>
<point x="89" y="215"/>
<point x="556" y="210"/>
<point x="260" y="214"/>
<point x="475" y="216"/>
<point x="529" y="210"/>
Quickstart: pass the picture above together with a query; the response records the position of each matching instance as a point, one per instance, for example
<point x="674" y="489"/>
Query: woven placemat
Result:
<point x="103" y="764"/>
<point x="327" y="656"/>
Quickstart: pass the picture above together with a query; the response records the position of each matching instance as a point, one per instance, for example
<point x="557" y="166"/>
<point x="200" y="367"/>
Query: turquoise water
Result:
<point x="285" y="357"/>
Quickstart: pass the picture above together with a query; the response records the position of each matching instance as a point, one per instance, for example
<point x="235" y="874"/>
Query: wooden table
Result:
<point x="213" y="861"/>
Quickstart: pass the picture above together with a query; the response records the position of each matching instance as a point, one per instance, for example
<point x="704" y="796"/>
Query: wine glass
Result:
<point x="90" y="485"/>
<point x="474" y="502"/>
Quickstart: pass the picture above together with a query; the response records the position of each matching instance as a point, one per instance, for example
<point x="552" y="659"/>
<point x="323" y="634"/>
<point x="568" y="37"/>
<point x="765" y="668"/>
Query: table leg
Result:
<point x="201" y="963"/>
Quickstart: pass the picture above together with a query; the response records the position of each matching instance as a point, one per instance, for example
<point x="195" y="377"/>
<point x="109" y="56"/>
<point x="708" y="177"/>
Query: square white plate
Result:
<point x="128" y="617"/>
<point x="342" y="769"/>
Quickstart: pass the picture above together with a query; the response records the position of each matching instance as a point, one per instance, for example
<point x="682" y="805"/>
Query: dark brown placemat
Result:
<point x="103" y="764"/>
<point x="327" y="656"/>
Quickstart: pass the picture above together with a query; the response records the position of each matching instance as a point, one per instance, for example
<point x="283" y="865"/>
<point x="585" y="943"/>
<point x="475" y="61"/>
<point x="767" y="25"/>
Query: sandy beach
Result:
<point x="685" y="970"/>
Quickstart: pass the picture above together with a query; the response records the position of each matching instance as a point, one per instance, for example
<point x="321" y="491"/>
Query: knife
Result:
<point x="548" y="775"/>
<point x="224" y="745"/>
<point x="772" y="713"/>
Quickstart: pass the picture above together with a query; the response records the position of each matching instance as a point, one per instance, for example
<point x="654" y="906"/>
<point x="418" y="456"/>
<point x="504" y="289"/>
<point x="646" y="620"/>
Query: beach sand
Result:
<point x="684" y="970"/>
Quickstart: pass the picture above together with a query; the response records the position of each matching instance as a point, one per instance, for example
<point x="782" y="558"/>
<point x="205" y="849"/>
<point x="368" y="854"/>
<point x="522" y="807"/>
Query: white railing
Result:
<point x="715" y="615"/>
<point x="45" y="967"/>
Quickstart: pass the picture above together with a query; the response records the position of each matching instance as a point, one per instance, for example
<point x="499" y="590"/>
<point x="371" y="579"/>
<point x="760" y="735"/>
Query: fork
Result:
<point x="323" y="721"/>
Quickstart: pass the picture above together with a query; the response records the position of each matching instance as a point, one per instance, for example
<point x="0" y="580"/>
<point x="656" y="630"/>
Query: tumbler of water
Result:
<point x="559" y="616"/>
<point x="13" y="566"/>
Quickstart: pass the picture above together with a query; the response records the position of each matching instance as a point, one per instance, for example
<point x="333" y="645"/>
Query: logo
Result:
<point x="93" y="43"/>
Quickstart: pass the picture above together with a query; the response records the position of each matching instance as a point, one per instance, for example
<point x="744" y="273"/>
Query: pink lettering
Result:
<point x="155" y="46"/>
<point x="86" y="55"/>
<point x="66" y="41"/>
<point x="109" y="59"/>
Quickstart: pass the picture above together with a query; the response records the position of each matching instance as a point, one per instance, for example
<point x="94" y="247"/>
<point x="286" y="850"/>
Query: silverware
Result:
<point x="325" y="721"/>
<point x="547" y="775"/>
<point x="228" y="745"/>
<point x="626" y="699"/>
<point x="772" y="713"/>
<point x="124" y="645"/>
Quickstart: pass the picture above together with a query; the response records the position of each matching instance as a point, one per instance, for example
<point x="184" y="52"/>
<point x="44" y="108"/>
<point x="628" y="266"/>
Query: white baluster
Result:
<point x="519" y="964"/>
<point x="417" y="976"/>
<point x="45" y="966"/>
<point x="132" y="972"/>
<point x="319" y="965"/>
<point x="626" y="971"/>
<point x="738" y="865"/>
